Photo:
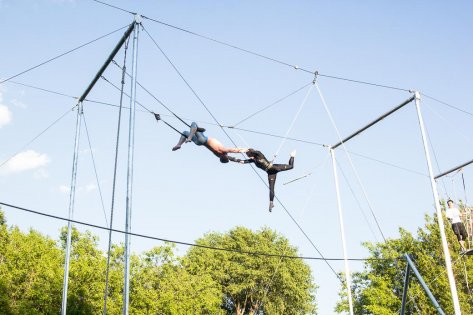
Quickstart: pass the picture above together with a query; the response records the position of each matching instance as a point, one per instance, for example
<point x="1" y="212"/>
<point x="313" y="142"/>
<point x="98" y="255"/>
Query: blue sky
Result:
<point x="421" y="45"/>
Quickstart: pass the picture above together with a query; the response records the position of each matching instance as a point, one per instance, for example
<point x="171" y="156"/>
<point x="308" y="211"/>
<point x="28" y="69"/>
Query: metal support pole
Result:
<point x="406" y="288"/>
<point x="448" y="263"/>
<point x="342" y="230"/>
<point x="424" y="285"/>
<point x="131" y="142"/>
<point x="71" y="208"/>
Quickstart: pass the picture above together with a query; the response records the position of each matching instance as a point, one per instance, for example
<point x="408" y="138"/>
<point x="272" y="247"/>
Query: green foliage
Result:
<point x="253" y="283"/>
<point x="29" y="273"/>
<point x="378" y="288"/>
<point x="201" y="282"/>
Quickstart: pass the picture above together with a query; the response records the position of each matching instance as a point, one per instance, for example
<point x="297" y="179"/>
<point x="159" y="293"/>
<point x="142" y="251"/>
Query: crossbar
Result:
<point x="453" y="169"/>
<point x="374" y="122"/>
<point x="108" y="61"/>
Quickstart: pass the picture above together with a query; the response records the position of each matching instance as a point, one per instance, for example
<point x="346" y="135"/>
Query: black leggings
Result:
<point x="272" y="173"/>
<point x="460" y="231"/>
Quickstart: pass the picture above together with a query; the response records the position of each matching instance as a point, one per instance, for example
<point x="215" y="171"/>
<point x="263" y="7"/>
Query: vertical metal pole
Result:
<point x="424" y="285"/>
<point x="71" y="209"/>
<point x="342" y="230"/>
<point x="448" y="263"/>
<point x="131" y="142"/>
<point x="406" y="288"/>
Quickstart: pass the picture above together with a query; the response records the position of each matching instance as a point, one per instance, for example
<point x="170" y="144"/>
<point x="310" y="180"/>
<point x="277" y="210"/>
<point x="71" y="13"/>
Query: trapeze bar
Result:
<point x="374" y="122"/>
<point x="453" y="169"/>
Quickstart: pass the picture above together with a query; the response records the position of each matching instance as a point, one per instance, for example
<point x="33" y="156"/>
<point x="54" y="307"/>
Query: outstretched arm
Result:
<point x="234" y="150"/>
<point x="233" y="159"/>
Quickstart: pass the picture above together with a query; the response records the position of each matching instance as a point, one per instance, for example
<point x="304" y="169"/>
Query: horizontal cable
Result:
<point x="213" y="124"/>
<point x="179" y="242"/>
<point x="273" y="59"/>
<point x="61" y="55"/>
<point x="275" y="136"/>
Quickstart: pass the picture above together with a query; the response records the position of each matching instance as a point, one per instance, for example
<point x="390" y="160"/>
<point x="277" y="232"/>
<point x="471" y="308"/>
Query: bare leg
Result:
<point x="182" y="139"/>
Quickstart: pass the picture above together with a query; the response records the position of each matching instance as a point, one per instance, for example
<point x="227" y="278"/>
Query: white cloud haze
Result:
<point x="24" y="161"/>
<point x="5" y="113"/>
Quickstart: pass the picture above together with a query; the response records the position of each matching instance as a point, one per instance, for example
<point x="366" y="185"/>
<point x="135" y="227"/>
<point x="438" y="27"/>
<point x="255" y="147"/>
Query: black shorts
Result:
<point x="460" y="231"/>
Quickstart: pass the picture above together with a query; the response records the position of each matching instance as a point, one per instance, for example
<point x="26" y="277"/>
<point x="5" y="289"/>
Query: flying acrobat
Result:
<point x="272" y="170"/>
<point x="196" y="135"/>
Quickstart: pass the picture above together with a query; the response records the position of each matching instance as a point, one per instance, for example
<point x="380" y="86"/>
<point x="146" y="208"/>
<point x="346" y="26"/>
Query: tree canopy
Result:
<point x="202" y="281"/>
<point x="378" y="288"/>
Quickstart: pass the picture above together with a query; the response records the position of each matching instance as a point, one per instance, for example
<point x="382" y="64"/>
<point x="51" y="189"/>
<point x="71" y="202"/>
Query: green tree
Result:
<point x="86" y="273"/>
<point x="30" y="273"/>
<point x="160" y="285"/>
<point x="378" y="288"/>
<point x="254" y="284"/>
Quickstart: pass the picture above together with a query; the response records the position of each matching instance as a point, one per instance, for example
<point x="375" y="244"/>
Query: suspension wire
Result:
<point x="292" y="123"/>
<point x="157" y="116"/>
<point x="61" y="55"/>
<point x="364" y="82"/>
<point x="119" y="89"/>
<point x="114" y="181"/>
<point x="446" y="104"/>
<point x="217" y="124"/>
<point x="42" y="89"/>
<point x="464" y="188"/>
<point x="312" y="190"/>
<point x="214" y="124"/>
<point x="272" y="59"/>
<point x="115" y="7"/>
<point x="389" y="164"/>
<point x="357" y="200"/>
<point x="321" y="164"/>
<point x="66" y="95"/>
<point x="271" y="105"/>
<point x="350" y="160"/>
<point x="436" y="161"/>
<point x="450" y="124"/>
<point x="276" y="136"/>
<point x="252" y="167"/>
<point x="466" y="278"/>
<point x="95" y="167"/>
<point x="37" y="136"/>
<point x="243" y="252"/>
<point x="226" y="44"/>
<point x="156" y="99"/>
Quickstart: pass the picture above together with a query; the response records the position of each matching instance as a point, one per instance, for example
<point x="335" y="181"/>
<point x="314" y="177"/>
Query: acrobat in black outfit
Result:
<point x="272" y="170"/>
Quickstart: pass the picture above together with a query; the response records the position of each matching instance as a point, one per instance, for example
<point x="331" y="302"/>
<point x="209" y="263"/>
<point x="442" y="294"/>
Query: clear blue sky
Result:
<point x="181" y="195"/>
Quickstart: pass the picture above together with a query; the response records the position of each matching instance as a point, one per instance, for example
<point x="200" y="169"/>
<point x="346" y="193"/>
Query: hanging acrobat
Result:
<point x="196" y="135"/>
<point x="271" y="169"/>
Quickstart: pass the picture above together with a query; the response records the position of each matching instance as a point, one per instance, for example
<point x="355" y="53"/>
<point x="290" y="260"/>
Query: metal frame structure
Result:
<point x="411" y="266"/>
<point x="129" y="190"/>
<point x="416" y="98"/>
<point x="75" y="158"/>
<point x="342" y="231"/>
